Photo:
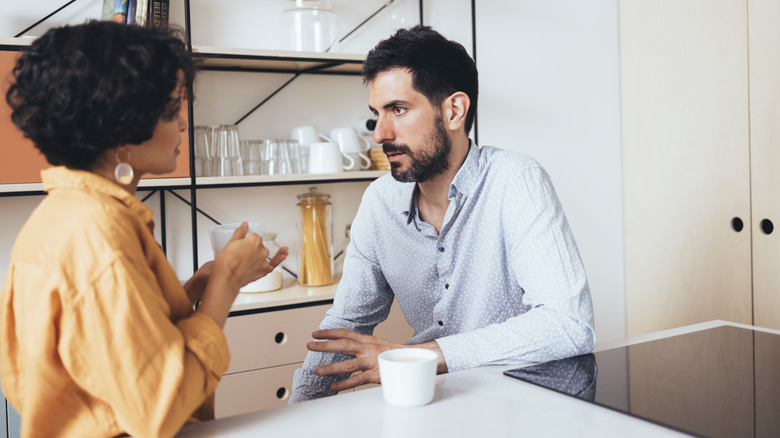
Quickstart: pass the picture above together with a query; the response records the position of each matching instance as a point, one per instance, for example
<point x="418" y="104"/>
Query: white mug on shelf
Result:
<point x="325" y="157"/>
<point x="352" y="144"/>
<point x="306" y="135"/>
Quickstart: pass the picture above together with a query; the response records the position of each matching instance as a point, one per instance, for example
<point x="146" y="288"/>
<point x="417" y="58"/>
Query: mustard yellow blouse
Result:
<point x="97" y="335"/>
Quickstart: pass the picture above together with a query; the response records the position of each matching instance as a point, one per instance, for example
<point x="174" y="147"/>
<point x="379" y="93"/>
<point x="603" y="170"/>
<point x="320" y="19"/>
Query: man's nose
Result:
<point x="383" y="131"/>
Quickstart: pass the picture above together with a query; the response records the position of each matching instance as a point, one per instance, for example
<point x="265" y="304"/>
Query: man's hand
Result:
<point x="363" y="367"/>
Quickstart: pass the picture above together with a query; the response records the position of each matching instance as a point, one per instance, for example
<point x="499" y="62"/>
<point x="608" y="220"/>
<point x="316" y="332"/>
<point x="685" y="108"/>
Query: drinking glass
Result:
<point x="296" y="158"/>
<point x="204" y="151"/>
<point x="276" y="158"/>
<point x="228" y="151"/>
<point x="251" y="156"/>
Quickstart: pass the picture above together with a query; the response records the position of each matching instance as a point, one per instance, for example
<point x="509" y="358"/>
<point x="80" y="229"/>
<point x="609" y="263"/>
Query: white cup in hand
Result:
<point x="408" y="376"/>
<point x="221" y="234"/>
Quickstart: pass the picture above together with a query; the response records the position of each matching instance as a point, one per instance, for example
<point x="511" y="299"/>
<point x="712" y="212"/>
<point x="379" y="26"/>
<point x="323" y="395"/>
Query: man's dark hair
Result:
<point x="81" y="90"/>
<point x="439" y="67"/>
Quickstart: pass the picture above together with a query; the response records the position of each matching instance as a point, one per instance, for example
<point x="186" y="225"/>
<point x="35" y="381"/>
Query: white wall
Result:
<point x="549" y="88"/>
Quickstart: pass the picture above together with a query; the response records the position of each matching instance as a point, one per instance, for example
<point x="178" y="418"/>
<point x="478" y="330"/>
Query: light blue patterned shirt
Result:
<point x="502" y="283"/>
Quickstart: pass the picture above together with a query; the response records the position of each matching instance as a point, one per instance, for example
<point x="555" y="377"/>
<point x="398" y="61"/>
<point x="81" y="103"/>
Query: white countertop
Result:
<point x="480" y="402"/>
<point x="291" y="293"/>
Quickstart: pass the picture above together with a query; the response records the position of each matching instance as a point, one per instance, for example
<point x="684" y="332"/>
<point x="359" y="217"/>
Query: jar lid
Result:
<point x="314" y="193"/>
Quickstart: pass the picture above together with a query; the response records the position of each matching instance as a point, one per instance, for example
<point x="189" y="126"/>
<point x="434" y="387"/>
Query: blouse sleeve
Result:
<point x="119" y="344"/>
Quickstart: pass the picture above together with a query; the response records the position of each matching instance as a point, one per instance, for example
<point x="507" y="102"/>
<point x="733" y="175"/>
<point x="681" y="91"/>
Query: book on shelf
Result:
<point x="131" y="7"/>
<point x="142" y="12"/>
<point x="152" y="13"/>
<point x="120" y="10"/>
<point x="159" y="15"/>
<point x="108" y="10"/>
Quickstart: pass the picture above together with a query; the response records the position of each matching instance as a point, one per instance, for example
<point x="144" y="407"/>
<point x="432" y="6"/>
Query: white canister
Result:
<point x="273" y="280"/>
<point x="310" y="26"/>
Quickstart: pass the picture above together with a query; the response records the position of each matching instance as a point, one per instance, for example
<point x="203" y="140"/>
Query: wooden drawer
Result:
<point x="264" y="340"/>
<point x="254" y="390"/>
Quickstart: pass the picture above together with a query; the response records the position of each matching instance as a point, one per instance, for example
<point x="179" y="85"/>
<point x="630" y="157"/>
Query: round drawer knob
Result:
<point x="767" y="227"/>
<point x="737" y="224"/>
<point x="282" y="393"/>
<point x="280" y="338"/>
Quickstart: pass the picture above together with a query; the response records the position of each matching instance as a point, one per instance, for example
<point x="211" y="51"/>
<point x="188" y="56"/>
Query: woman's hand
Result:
<point x="197" y="283"/>
<point x="243" y="260"/>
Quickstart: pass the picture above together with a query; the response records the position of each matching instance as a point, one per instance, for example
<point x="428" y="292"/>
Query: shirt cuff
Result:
<point x="206" y="340"/>
<point x="450" y="347"/>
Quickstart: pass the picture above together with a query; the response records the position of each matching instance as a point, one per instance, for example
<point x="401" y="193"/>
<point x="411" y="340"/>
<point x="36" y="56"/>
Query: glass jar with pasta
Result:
<point x="316" y="250"/>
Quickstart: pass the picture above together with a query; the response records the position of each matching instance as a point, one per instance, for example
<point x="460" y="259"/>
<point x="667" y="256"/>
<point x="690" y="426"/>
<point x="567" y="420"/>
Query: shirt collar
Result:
<point x="60" y="177"/>
<point x="463" y="183"/>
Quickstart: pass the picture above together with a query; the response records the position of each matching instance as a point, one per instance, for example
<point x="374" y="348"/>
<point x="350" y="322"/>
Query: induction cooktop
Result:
<point x="718" y="382"/>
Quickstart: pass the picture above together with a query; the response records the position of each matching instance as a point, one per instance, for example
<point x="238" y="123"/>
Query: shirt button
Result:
<point x="447" y="286"/>
<point x="441" y="323"/>
<point x="441" y="249"/>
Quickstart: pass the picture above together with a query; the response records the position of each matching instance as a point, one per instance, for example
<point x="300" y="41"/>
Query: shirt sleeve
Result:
<point x="119" y="344"/>
<point x="544" y="259"/>
<point x="362" y="301"/>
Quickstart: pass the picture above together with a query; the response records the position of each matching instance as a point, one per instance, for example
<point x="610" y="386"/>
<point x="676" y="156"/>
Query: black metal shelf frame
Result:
<point x="321" y="69"/>
<point x="193" y="187"/>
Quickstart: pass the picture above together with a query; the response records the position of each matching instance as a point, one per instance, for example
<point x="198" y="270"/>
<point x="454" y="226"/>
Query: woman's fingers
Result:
<point x="240" y="232"/>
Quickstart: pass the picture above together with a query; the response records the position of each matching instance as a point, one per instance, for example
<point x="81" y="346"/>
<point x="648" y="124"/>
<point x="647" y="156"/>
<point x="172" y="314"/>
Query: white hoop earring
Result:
<point x="123" y="172"/>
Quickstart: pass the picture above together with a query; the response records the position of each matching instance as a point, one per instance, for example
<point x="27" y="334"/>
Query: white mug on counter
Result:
<point x="353" y="145"/>
<point x="408" y="376"/>
<point x="326" y="157"/>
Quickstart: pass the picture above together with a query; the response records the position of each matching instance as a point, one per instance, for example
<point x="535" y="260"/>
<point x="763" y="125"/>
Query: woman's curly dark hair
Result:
<point x="81" y="90"/>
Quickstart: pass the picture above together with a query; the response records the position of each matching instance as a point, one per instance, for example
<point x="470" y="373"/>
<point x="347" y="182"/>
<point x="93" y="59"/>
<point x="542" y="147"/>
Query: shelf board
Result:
<point x="15" y="44"/>
<point x="252" y="59"/>
<point x="277" y="60"/>
<point x="37" y="188"/>
<point x="219" y="181"/>
<point x="260" y="180"/>
<point x="291" y="293"/>
<point x="21" y="189"/>
<point x="163" y="182"/>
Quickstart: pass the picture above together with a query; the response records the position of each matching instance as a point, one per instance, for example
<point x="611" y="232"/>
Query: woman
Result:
<point x="97" y="335"/>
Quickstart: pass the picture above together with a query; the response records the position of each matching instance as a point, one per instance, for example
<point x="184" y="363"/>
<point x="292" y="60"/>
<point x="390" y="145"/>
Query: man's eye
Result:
<point x="398" y="110"/>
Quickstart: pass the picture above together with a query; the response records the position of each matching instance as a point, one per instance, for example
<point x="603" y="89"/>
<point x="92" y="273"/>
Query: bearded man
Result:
<point x="472" y="241"/>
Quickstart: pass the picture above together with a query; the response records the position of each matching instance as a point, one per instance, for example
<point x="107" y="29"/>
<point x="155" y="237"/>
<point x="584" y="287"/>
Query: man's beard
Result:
<point x="423" y="166"/>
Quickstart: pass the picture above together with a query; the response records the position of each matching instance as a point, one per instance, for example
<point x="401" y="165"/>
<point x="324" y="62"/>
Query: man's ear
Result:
<point x="454" y="109"/>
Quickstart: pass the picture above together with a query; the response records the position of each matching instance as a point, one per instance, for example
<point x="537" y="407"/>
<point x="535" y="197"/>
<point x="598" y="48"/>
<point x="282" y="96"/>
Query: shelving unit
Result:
<point x="267" y="332"/>
<point x="228" y="59"/>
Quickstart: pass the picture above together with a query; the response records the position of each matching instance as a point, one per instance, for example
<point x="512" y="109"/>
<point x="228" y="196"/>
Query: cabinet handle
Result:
<point x="766" y="226"/>
<point x="280" y="338"/>
<point x="737" y="224"/>
<point x="282" y="393"/>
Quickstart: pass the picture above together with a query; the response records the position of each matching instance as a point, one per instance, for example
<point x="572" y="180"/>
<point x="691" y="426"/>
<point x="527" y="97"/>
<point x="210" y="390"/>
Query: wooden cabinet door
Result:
<point x="764" y="16"/>
<point x="254" y="390"/>
<point x="684" y="96"/>
<point x="271" y="339"/>
<point x="22" y="162"/>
